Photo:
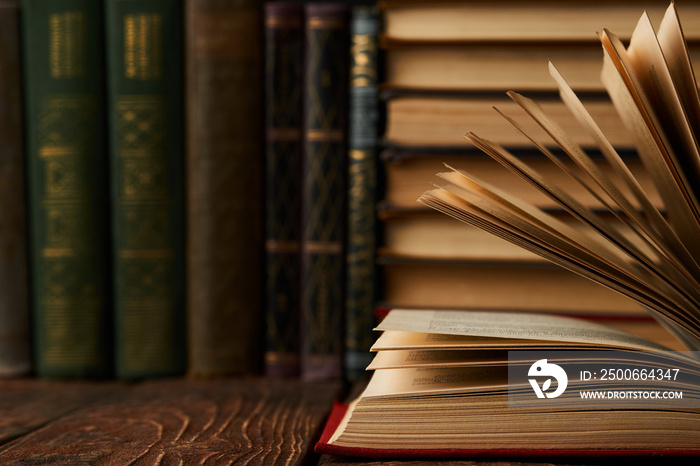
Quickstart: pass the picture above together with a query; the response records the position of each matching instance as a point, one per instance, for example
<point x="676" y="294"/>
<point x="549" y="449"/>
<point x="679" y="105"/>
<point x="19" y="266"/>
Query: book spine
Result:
<point x="224" y="186"/>
<point x="145" y="94"/>
<point x="362" y="182"/>
<point x="324" y="192"/>
<point x="67" y="194"/>
<point x="284" y="22"/>
<point x="14" y="300"/>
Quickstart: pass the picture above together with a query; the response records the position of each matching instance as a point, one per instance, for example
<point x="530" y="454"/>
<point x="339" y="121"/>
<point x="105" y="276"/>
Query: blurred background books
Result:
<point x="205" y="187"/>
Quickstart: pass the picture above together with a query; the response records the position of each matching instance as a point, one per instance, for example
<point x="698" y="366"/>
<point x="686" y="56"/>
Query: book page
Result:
<point x="555" y="233"/>
<point x="601" y="179"/>
<point x="650" y="67"/>
<point x="512" y="325"/>
<point x="592" y="250"/>
<point x="446" y="202"/>
<point x="635" y="285"/>
<point x="567" y="202"/>
<point x="653" y="146"/>
<point x="580" y="239"/>
<point x="396" y="340"/>
<point x="601" y="257"/>
<point x="656" y="221"/>
<point x="675" y="50"/>
<point x="426" y="359"/>
<point x="413" y="381"/>
<point x="437" y="358"/>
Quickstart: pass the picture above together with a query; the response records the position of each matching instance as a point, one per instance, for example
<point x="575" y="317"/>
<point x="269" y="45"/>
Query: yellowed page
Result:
<point x="437" y="359"/>
<point x="653" y="145"/>
<point x="559" y="195"/>
<point x="446" y="202"/>
<point x="512" y="325"/>
<point x="397" y="359"/>
<point x="665" y="240"/>
<point x="585" y="119"/>
<point x="396" y="340"/>
<point x="573" y="151"/>
<point x="577" y="239"/>
<point x="681" y="313"/>
<point x="649" y="64"/>
<point x="611" y="189"/>
<point x="672" y="41"/>
<point x="412" y="381"/>
<point x="559" y="237"/>
<point x="592" y="250"/>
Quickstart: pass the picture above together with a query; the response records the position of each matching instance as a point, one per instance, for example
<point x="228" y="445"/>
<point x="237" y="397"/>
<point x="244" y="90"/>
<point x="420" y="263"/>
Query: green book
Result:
<point x="67" y="193"/>
<point x="145" y="100"/>
<point x="362" y="184"/>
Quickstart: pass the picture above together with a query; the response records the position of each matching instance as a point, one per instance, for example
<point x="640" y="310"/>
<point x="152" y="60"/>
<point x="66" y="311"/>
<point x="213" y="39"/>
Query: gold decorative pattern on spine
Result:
<point x="332" y="135"/>
<point x="67" y="44"/>
<point x="62" y="122"/>
<point x="317" y="22"/>
<point x="143" y="46"/>
<point x="319" y="247"/>
<point x="282" y="22"/>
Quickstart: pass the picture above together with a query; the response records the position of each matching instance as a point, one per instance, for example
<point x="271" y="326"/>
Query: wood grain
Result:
<point x="227" y="421"/>
<point x="27" y="404"/>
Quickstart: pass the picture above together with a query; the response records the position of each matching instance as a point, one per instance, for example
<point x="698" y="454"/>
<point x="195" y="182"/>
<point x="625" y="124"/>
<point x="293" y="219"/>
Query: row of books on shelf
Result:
<point x="263" y="251"/>
<point x="105" y="229"/>
<point x="174" y="187"/>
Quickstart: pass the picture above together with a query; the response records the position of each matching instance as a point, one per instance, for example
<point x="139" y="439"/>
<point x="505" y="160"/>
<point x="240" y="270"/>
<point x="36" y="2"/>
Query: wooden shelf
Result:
<point x="178" y="421"/>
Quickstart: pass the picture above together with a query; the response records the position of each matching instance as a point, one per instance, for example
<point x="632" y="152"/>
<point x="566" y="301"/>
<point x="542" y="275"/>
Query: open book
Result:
<point x="442" y="383"/>
<point x="446" y="383"/>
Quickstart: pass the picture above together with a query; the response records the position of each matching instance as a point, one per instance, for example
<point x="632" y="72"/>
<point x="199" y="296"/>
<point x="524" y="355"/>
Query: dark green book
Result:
<point x="145" y="100"/>
<point x="324" y="190"/>
<point x="284" y="31"/>
<point x="67" y="186"/>
<point x="362" y="183"/>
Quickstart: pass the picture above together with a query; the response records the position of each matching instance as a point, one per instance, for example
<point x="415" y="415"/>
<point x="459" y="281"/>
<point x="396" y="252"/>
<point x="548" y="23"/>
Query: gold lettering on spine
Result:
<point x="143" y="46"/>
<point x="67" y="44"/>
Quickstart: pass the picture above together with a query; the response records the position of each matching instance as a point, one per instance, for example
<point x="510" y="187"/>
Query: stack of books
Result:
<point x="446" y="66"/>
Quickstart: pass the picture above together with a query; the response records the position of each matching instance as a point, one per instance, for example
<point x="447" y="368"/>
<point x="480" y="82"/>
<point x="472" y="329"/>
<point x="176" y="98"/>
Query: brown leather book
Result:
<point x="14" y="310"/>
<point x="224" y="198"/>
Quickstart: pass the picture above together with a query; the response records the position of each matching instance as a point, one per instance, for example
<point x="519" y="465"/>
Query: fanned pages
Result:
<point x="652" y="86"/>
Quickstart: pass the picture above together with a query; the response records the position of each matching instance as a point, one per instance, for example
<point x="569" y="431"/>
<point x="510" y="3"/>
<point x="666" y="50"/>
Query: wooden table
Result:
<point x="240" y="421"/>
<point x="225" y="421"/>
